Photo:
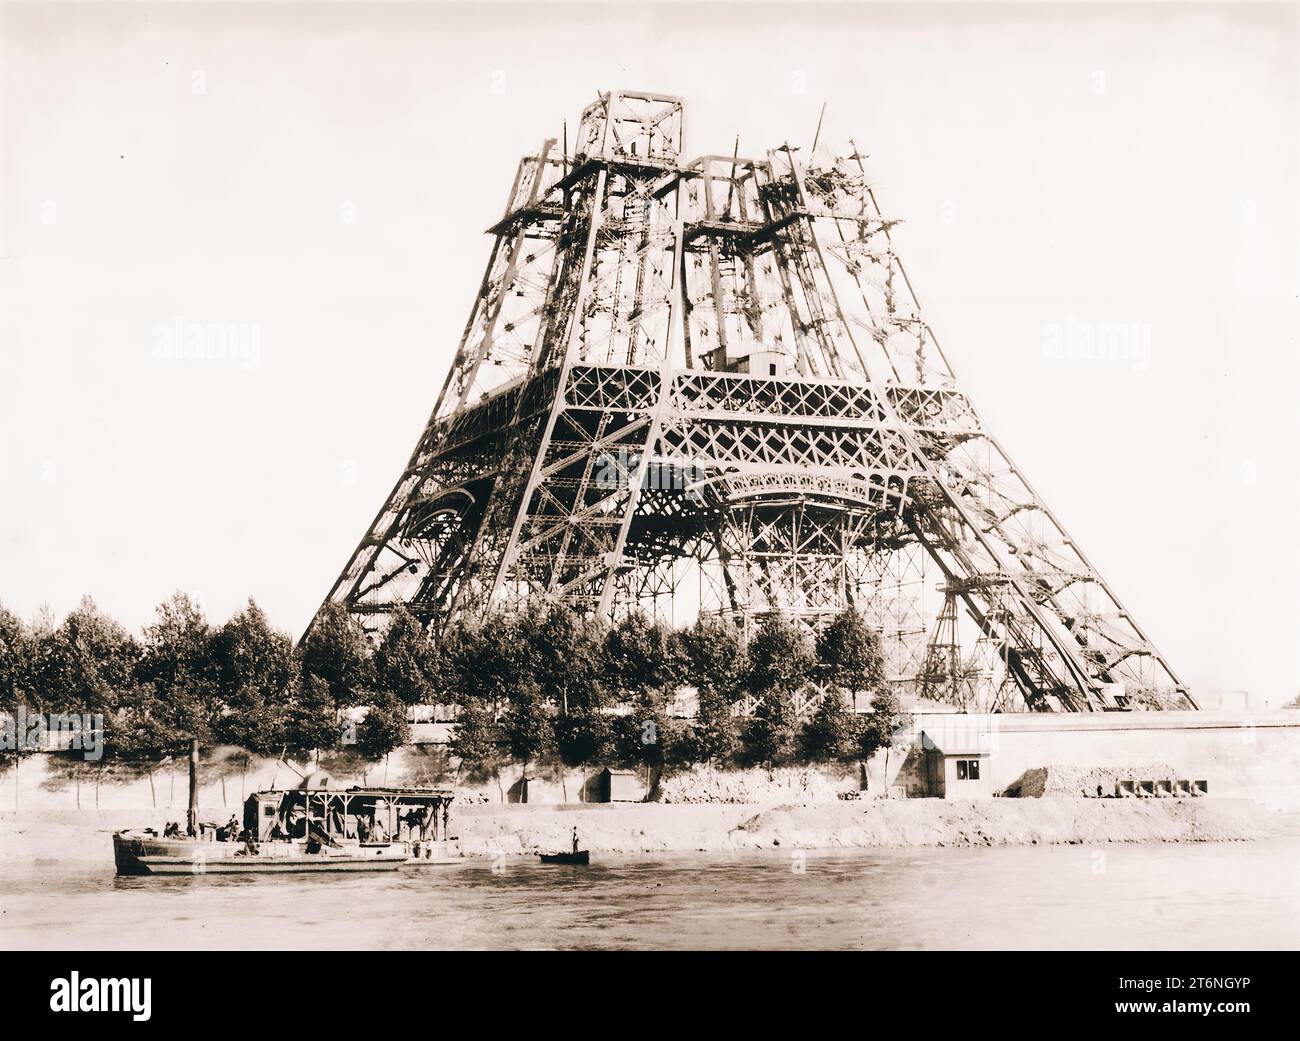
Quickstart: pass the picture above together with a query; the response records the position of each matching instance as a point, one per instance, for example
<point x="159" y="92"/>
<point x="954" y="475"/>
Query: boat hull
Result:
<point x="137" y="853"/>
<point x="579" y="858"/>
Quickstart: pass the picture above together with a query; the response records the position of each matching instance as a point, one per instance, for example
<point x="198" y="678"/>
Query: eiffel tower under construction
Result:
<point x="707" y="386"/>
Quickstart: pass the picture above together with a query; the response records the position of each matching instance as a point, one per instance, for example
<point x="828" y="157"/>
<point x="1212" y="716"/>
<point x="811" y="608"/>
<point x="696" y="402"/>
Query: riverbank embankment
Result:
<point x="516" y="830"/>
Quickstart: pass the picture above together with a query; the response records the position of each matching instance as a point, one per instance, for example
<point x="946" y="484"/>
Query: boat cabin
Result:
<point x="365" y="814"/>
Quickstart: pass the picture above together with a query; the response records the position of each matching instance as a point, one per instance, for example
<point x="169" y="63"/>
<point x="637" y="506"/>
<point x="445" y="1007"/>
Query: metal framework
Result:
<point x="711" y="381"/>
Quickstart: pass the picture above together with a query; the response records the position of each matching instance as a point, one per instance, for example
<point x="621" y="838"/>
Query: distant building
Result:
<point x="958" y="769"/>
<point x="621" y="786"/>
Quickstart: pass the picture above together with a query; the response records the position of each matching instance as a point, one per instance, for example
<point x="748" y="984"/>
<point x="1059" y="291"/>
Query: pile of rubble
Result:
<point x="704" y="784"/>
<point x="1082" y="780"/>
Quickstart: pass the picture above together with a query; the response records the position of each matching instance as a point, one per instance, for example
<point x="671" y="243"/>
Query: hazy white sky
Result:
<point x="322" y="174"/>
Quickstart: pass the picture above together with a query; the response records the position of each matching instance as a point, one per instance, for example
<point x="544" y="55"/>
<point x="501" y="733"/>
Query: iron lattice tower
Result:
<point x="711" y="380"/>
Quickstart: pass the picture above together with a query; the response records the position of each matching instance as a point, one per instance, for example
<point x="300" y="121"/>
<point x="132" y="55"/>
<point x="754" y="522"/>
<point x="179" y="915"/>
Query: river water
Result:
<point x="1211" y="895"/>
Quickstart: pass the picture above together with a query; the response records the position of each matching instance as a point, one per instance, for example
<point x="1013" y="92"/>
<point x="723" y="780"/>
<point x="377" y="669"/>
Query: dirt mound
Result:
<point x="1082" y="780"/>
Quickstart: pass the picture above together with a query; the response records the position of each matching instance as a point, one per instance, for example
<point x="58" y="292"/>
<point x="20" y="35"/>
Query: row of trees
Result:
<point x="538" y="684"/>
<point x="241" y="683"/>
<point x="551" y="683"/>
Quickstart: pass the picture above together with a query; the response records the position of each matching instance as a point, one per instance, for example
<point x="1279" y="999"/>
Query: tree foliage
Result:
<point x="17" y="654"/>
<point x="831" y="732"/>
<point x="567" y="655"/>
<point x="338" y="652"/>
<point x="474" y="739"/>
<point x="311" y="717"/>
<point x="384" y="728"/>
<point x="884" y="724"/>
<point x="177" y="665"/>
<point x="849" y="655"/>
<point x="644" y="660"/>
<point x="406" y="663"/>
<point x="526" y="724"/>
<point x="530" y="684"/>
<point x="780" y="658"/>
<point x="712" y="736"/>
<point x="255" y="670"/>
<point x="86" y="664"/>
<point x="780" y="663"/>
<point x="715" y="658"/>
<point x="584" y="738"/>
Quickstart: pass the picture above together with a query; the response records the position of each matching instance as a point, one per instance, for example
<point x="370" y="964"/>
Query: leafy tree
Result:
<point x="338" y="652"/>
<point x="678" y="742"/>
<point x="780" y="657"/>
<point x="769" y="734"/>
<point x="830" y="732"/>
<point x="176" y="669"/>
<point x="311" y="719"/>
<point x="848" y="651"/>
<point x="384" y="728"/>
<point x="644" y="660"/>
<point x="145" y="726"/>
<point x="584" y="737"/>
<point x="526" y="724"/>
<point x="487" y="659"/>
<point x="887" y="721"/>
<point x="883" y="725"/>
<point x="716" y="661"/>
<point x="568" y="656"/>
<point x="647" y="661"/>
<point x="17" y="661"/>
<point x="256" y="671"/>
<point x="455" y="679"/>
<point x="85" y="665"/>
<point x="780" y="663"/>
<point x="473" y="741"/>
<point x="641" y="739"/>
<point x="406" y="662"/>
<point x="715" y="658"/>
<point x="712" y="735"/>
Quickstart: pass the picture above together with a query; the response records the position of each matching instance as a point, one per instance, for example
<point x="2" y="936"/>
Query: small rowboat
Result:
<point x="581" y="856"/>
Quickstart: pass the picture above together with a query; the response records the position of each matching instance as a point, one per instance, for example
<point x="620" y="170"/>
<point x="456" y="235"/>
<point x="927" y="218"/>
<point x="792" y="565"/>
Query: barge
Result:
<point x="311" y="828"/>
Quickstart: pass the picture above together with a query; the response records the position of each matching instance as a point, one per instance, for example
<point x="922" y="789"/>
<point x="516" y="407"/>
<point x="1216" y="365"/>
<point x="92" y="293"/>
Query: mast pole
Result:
<point x="192" y="819"/>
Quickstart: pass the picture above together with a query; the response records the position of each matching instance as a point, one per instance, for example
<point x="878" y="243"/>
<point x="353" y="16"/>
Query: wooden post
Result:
<point x="192" y="818"/>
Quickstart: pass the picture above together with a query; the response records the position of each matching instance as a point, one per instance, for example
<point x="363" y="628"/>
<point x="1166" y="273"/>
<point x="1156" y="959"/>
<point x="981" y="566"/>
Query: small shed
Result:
<point x="958" y="768"/>
<point x="620" y="786"/>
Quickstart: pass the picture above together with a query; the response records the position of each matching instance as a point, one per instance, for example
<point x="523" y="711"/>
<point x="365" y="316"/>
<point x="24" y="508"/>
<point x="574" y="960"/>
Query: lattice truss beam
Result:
<point x="711" y="381"/>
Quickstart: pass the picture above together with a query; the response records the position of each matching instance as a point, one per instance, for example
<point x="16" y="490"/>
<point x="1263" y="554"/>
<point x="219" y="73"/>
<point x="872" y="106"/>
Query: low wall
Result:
<point x="67" y="790"/>
<point x="1256" y="758"/>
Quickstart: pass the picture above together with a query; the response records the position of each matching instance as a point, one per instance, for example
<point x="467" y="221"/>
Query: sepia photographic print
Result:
<point x="703" y="477"/>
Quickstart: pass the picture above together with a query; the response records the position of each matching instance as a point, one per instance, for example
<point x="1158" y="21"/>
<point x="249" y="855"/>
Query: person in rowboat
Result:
<point x="575" y="839"/>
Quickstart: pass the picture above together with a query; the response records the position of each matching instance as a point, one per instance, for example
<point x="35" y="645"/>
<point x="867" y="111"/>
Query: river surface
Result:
<point x="1210" y="895"/>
